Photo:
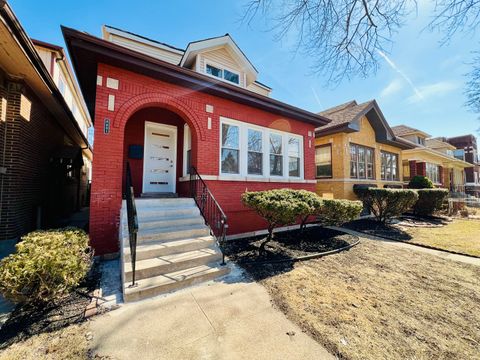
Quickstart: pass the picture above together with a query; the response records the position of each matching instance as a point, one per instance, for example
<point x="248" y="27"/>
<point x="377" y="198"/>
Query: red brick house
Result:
<point x="163" y="109"/>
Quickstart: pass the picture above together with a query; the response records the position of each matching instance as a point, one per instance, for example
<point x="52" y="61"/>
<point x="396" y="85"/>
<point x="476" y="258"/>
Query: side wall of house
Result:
<point x="27" y="187"/>
<point x="340" y="186"/>
<point x="136" y="92"/>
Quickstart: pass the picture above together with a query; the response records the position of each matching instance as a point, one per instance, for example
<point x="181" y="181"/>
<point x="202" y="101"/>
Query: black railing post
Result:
<point x="211" y="211"/>
<point x="132" y="220"/>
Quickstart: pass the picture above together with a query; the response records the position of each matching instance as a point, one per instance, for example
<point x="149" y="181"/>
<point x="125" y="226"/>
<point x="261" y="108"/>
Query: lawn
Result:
<point x="377" y="301"/>
<point x="461" y="236"/>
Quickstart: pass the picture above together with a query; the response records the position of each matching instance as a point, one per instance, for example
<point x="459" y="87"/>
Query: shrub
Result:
<point x="338" y="212"/>
<point x="361" y="189"/>
<point x="46" y="266"/>
<point x="420" y="182"/>
<point x="430" y="201"/>
<point x="386" y="204"/>
<point x="278" y="207"/>
<point x="464" y="213"/>
<point x="308" y="204"/>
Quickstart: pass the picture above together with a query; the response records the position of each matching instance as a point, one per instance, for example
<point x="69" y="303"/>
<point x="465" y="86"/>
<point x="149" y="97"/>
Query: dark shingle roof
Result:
<point x="401" y="130"/>
<point x="344" y="114"/>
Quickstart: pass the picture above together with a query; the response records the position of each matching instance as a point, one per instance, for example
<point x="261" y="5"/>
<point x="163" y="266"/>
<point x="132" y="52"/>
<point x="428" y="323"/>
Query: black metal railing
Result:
<point x="211" y="211"/>
<point x="132" y="220"/>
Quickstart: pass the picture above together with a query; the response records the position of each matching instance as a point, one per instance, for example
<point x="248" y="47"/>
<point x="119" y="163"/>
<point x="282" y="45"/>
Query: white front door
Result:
<point x="159" y="158"/>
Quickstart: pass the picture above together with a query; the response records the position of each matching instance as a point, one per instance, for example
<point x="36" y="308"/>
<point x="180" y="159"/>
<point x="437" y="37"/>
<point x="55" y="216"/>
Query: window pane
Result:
<point x="230" y="76"/>
<point x="275" y="144"/>
<point x="294" y="166"/>
<point x="254" y="140"/>
<point x="276" y="165"/>
<point x="212" y="70"/>
<point x="255" y="161"/>
<point x="369" y="171"/>
<point x="323" y="160"/>
<point x="189" y="160"/>
<point x="230" y="161"/>
<point x="294" y="147"/>
<point x="324" y="170"/>
<point x="230" y="138"/>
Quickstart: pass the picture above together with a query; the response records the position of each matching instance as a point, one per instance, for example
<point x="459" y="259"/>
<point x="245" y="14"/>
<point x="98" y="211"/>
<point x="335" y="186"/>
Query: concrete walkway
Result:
<point x="443" y="254"/>
<point x="217" y="320"/>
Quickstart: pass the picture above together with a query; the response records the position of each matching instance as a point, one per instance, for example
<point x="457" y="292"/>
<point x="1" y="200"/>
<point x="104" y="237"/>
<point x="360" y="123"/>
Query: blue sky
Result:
<point x="419" y="82"/>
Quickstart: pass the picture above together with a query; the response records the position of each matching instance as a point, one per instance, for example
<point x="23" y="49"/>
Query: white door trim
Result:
<point x="161" y="126"/>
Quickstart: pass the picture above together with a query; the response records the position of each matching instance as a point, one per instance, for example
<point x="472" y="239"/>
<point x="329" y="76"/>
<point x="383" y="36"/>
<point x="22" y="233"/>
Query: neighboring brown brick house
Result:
<point x="40" y="141"/>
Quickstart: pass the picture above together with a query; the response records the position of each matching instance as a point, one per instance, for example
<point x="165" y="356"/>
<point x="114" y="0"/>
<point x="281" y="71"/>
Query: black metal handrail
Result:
<point x="211" y="211"/>
<point x="132" y="220"/>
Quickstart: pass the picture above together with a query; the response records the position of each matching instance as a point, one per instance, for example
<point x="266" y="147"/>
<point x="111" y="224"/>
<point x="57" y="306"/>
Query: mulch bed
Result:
<point x="376" y="228"/>
<point x="27" y="320"/>
<point x="287" y="245"/>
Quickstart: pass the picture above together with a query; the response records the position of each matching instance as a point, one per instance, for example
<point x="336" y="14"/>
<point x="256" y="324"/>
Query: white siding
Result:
<point x="161" y="54"/>
<point x="254" y="87"/>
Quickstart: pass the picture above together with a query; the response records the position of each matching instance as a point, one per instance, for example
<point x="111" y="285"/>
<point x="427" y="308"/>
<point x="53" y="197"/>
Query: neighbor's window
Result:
<point x="293" y="157"/>
<point x="223" y="73"/>
<point x="389" y="166"/>
<point x="230" y="149"/>
<point x="255" y="155"/>
<point x="323" y="161"/>
<point x="276" y="158"/>
<point x="433" y="172"/>
<point x="361" y="162"/>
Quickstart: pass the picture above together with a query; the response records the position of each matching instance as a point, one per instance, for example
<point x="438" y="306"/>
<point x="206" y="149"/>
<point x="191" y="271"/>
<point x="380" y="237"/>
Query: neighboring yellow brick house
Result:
<point x="432" y="157"/>
<point x="357" y="147"/>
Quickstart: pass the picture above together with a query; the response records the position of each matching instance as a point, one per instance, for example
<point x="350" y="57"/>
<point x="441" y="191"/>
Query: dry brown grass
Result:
<point x="461" y="236"/>
<point x="378" y="301"/>
<point x="68" y="343"/>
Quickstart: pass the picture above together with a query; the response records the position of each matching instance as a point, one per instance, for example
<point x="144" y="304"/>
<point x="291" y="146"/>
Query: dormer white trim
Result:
<point x="195" y="48"/>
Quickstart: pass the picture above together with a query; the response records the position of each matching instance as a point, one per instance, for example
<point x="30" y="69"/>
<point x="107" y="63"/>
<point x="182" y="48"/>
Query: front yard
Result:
<point x="462" y="236"/>
<point x="377" y="301"/>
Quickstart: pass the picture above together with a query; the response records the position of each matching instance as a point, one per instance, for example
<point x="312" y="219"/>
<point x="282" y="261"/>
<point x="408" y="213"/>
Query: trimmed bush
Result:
<point x="46" y="266"/>
<point x="337" y="212"/>
<point x="278" y="207"/>
<point x="420" y="182"/>
<point x="429" y="201"/>
<point x="361" y="189"/>
<point x="386" y="204"/>
<point x="308" y="204"/>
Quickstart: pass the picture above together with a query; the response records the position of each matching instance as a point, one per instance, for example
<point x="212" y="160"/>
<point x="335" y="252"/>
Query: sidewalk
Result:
<point x="217" y="320"/>
<point x="443" y="254"/>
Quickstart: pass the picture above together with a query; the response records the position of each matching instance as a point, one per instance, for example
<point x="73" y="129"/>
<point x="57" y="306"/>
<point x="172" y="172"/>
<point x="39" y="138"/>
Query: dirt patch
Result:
<point x="377" y="228"/>
<point x="27" y="320"/>
<point x="288" y="245"/>
<point x="378" y="301"/>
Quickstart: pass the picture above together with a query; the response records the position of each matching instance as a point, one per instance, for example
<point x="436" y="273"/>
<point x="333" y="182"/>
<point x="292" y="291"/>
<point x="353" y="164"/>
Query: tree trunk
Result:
<point x="261" y="250"/>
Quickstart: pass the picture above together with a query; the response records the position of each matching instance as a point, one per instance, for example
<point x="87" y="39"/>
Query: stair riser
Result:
<point x="146" y="293"/>
<point x="159" y="214"/>
<point x="170" y="223"/>
<point x="168" y="268"/>
<point x="174" y="235"/>
<point x="143" y="203"/>
<point x="149" y="254"/>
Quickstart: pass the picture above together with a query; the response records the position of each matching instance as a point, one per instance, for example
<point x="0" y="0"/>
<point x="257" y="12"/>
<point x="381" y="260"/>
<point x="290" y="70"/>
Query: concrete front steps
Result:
<point x="174" y="248"/>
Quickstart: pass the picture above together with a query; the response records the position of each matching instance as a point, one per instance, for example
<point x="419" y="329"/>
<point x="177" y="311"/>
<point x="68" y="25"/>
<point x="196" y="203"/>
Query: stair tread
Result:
<point x="172" y="259"/>
<point x="175" y="277"/>
<point x="167" y="243"/>
<point x="168" y="229"/>
<point x="170" y="218"/>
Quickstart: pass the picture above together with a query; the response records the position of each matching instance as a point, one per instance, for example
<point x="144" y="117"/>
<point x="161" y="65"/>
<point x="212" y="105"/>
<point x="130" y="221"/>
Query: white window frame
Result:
<point x="187" y="135"/>
<point x="222" y="68"/>
<point x="243" y="152"/>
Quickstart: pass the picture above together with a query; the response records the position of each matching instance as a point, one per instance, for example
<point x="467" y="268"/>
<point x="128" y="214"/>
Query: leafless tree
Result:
<point x="346" y="38"/>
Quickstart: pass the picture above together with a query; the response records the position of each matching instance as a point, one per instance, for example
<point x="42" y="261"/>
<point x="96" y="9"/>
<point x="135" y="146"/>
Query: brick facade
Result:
<point x="29" y="187"/>
<point x="141" y="93"/>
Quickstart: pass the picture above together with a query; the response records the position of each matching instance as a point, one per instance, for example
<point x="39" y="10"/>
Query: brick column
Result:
<point x="421" y="169"/>
<point x="413" y="168"/>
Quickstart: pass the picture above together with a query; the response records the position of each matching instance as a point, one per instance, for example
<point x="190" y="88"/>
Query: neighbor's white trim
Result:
<point x="367" y="181"/>
<point x="263" y="232"/>
<point x="161" y="126"/>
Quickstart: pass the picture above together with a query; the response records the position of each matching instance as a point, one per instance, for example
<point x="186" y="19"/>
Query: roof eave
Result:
<point x="103" y="50"/>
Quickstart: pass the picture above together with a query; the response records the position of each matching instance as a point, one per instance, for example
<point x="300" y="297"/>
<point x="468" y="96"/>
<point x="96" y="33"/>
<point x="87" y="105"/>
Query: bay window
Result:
<point x="361" y="162"/>
<point x="259" y="152"/>
<point x="389" y="166"/>
<point x="230" y="149"/>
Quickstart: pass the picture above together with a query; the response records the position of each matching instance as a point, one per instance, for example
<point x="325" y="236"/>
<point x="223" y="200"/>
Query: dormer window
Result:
<point x="224" y="74"/>
<point x="420" y="140"/>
